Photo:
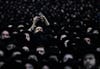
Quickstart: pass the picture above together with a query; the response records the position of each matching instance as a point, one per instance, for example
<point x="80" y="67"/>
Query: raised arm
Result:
<point x="35" y="19"/>
<point x="45" y="19"/>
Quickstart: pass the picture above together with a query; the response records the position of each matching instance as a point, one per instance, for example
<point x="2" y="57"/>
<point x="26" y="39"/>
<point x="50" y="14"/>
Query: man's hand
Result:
<point x="41" y="14"/>
<point x="43" y="18"/>
<point x="36" y="18"/>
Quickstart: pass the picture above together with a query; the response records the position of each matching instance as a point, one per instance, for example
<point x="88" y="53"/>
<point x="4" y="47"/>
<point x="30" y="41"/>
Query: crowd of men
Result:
<point x="46" y="34"/>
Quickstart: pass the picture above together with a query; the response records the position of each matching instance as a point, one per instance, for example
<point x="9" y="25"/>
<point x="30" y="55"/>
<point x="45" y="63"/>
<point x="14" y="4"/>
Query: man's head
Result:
<point x="27" y="36"/>
<point x="38" y="29"/>
<point x="45" y="67"/>
<point x="25" y="49"/>
<point x="20" y="27"/>
<point x="87" y="40"/>
<point x="11" y="46"/>
<point x="33" y="57"/>
<point x="29" y="66"/>
<point x="67" y="67"/>
<point x="67" y="57"/>
<point x="1" y="53"/>
<point x="53" y="58"/>
<point x="1" y="64"/>
<point x="89" y="61"/>
<point x="40" y="50"/>
<point x="5" y="34"/>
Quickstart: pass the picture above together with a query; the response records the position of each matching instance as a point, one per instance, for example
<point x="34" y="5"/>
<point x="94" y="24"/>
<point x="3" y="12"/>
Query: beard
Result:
<point x="39" y="33"/>
<point x="88" y="66"/>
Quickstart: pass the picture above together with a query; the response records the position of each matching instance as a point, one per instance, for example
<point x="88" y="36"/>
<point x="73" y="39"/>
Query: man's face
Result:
<point x="5" y="34"/>
<point x="38" y="29"/>
<point x="27" y="36"/>
<point x="40" y="50"/>
<point x="89" y="61"/>
<point x="87" y="40"/>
